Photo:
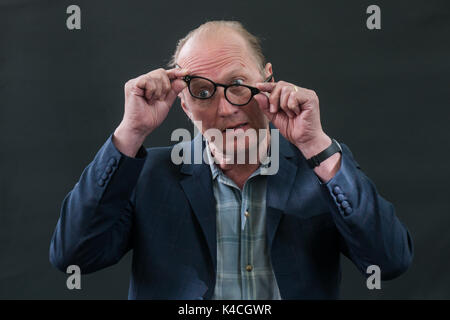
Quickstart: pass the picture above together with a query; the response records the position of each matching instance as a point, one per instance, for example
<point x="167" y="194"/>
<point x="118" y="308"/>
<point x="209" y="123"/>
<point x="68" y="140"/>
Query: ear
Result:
<point x="268" y="71"/>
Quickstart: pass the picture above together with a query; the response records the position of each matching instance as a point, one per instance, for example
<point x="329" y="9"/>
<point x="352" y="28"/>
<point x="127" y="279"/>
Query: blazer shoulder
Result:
<point x="160" y="158"/>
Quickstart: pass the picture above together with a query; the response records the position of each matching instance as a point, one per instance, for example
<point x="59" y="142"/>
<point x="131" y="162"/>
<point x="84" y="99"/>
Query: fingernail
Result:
<point x="272" y="108"/>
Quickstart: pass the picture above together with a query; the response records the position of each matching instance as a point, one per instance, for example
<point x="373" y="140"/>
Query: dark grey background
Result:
<point x="384" y="93"/>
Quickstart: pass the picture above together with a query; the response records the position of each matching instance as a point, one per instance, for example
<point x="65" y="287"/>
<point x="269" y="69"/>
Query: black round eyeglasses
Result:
<point x="236" y="94"/>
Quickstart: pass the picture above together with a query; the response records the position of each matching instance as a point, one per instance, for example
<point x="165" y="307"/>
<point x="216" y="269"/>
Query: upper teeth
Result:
<point x="234" y="128"/>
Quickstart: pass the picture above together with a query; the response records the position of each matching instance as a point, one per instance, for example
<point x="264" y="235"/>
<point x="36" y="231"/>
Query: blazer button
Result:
<point x="246" y="214"/>
<point x="337" y="190"/>
<point x="345" y="204"/>
<point x="340" y="197"/>
<point x="104" y="176"/>
<point x="249" y="267"/>
<point x="101" y="182"/>
<point x="112" y="162"/>
<point x="108" y="169"/>
<point x="348" y="210"/>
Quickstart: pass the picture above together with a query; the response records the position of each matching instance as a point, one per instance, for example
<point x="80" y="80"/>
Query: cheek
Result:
<point x="206" y="117"/>
<point x="255" y="115"/>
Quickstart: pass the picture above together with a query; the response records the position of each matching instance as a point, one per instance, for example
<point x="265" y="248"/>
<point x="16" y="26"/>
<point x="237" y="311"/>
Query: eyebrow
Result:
<point x="232" y="74"/>
<point x="235" y="72"/>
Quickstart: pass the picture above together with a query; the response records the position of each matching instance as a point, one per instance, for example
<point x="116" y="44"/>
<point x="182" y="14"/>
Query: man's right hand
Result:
<point x="148" y="99"/>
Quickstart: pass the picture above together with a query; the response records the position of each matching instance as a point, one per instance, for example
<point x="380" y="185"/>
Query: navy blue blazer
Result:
<point x="166" y="214"/>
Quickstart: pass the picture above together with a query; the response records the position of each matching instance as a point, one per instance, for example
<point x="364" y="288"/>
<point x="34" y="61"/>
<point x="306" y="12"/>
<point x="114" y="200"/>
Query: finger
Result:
<point x="158" y="86"/>
<point x="304" y="95"/>
<point x="293" y="104"/>
<point x="140" y="82"/>
<point x="177" y="86"/>
<point x="284" y="96"/>
<point x="176" y="73"/>
<point x="131" y="88"/>
<point x="144" y="83"/>
<point x="274" y="98"/>
<point x="266" y="86"/>
<point x="150" y="89"/>
<point x="166" y="86"/>
<point x="288" y="112"/>
<point x="263" y="103"/>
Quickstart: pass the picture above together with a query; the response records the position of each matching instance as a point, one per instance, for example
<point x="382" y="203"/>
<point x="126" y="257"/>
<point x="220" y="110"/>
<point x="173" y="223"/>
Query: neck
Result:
<point x="239" y="173"/>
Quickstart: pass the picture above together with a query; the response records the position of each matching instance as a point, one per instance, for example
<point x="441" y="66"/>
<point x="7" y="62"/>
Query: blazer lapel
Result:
<point x="197" y="185"/>
<point x="279" y="187"/>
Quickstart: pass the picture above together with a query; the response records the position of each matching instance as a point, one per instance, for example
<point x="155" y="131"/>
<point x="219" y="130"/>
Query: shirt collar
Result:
<point x="216" y="171"/>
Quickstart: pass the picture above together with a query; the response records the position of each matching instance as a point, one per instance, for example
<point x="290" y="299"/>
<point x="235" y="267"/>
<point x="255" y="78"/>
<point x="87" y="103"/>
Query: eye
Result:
<point x="237" y="81"/>
<point x="204" y="93"/>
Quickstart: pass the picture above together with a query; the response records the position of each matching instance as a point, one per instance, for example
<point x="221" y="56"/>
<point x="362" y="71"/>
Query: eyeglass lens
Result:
<point x="204" y="89"/>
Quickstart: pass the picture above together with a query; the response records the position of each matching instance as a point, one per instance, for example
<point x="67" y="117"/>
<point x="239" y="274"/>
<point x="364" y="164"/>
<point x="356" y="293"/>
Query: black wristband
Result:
<point x="315" y="161"/>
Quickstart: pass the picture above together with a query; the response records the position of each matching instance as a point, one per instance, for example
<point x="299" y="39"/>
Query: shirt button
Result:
<point x="249" y="267"/>
<point x="247" y="214"/>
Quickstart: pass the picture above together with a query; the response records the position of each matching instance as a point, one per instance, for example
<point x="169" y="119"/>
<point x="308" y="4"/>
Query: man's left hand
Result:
<point x="295" y="112"/>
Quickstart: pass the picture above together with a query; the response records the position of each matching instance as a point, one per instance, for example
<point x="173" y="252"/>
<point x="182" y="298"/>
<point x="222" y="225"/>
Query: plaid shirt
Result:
<point x="244" y="269"/>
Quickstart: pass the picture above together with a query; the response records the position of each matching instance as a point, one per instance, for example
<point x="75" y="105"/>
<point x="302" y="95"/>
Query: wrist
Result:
<point x="328" y="167"/>
<point x="127" y="140"/>
<point x="314" y="146"/>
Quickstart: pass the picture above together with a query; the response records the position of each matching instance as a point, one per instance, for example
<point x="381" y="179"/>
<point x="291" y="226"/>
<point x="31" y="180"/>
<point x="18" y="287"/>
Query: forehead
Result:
<point x="216" y="56"/>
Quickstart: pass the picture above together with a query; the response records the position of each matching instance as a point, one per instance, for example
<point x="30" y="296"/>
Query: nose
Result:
<point x="225" y="108"/>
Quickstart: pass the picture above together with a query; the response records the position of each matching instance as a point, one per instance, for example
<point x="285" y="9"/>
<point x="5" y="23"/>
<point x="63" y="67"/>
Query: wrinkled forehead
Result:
<point x="217" y="57"/>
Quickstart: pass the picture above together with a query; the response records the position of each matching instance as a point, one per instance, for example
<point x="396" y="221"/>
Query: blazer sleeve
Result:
<point x="94" y="227"/>
<point x="370" y="232"/>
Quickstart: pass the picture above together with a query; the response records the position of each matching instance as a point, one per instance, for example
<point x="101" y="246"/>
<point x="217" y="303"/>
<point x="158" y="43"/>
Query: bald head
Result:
<point x="229" y="35"/>
<point x="207" y="54"/>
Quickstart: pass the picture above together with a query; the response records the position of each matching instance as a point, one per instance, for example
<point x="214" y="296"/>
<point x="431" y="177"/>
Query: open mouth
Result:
<point x="239" y="126"/>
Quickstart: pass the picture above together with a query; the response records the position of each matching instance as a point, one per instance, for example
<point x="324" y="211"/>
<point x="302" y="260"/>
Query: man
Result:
<point x="224" y="230"/>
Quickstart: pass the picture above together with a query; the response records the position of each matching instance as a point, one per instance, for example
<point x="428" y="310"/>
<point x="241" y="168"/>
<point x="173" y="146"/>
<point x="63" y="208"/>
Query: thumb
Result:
<point x="177" y="86"/>
<point x="278" y="119"/>
<point x="263" y="103"/>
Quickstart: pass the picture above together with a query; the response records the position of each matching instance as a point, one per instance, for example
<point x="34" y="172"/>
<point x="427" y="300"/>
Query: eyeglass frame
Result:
<point x="254" y="91"/>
